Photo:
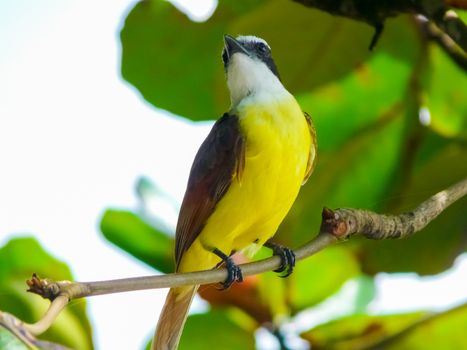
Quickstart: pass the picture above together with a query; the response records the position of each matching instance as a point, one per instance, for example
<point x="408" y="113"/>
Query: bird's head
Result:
<point x="249" y="67"/>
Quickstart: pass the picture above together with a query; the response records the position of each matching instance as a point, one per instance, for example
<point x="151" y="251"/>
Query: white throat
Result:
<point x="249" y="77"/>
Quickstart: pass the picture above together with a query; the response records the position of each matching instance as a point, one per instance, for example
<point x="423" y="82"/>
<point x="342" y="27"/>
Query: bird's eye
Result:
<point x="262" y="48"/>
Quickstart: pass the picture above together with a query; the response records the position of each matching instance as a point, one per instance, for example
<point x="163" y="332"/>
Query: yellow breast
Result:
<point x="277" y="150"/>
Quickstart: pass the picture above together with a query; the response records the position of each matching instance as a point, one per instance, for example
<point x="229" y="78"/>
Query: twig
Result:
<point x="452" y="25"/>
<point x="336" y="225"/>
<point x="375" y="14"/>
<point x="49" y="317"/>
<point x="444" y="41"/>
<point x="346" y="222"/>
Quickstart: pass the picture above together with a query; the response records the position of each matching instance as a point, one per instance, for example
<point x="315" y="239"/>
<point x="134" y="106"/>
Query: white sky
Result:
<point x="74" y="137"/>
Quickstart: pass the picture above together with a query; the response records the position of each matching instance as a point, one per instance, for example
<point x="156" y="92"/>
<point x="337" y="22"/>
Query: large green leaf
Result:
<point x="360" y="127"/>
<point x="217" y="329"/>
<point x="306" y="43"/>
<point x="414" y="331"/>
<point x="344" y="107"/>
<point x="355" y="175"/>
<point x="19" y="258"/>
<point x="183" y="73"/>
<point x="320" y="276"/>
<point x="445" y="331"/>
<point x="132" y="234"/>
<point x="434" y="248"/>
<point x="313" y="280"/>
<point x="358" y="331"/>
<point x="446" y="95"/>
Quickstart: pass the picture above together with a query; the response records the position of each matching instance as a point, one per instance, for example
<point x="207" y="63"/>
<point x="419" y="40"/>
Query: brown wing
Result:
<point x="219" y="160"/>
<point x="314" y="146"/>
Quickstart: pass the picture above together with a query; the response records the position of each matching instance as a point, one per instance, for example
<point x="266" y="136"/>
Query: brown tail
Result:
<point x="173" y="317"/>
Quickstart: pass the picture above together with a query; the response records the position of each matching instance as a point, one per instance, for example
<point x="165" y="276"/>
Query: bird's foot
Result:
<point x="287" y="258"/>
<point x="234" y="273"/>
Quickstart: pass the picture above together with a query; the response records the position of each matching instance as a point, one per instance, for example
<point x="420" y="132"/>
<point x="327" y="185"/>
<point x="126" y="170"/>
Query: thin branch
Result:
<point x="336" y="225"/>
<point x="18" y="328"/>
<point x="375" y="14"/>
<point x="444" y="41"/>
<point x="451" y="24"/>
<point x="346" y="222"/>
<point x="49" y="317"/>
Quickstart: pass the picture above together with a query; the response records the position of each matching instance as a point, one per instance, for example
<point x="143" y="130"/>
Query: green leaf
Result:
<point x="357" y="101"/>
<point x="216" y="329"/>
<point x="316" y="278"/>
<point x="13" y="336"/>
<point x="132" y="234"/>
<point x="434" y="248"/>
<point x="307" y="44"/>
<point x="414" y="331"/>
<point x="446" y="95"/>
<point x="360" y="127"/>
<point x="444" y="331"/>
<point x="165" y="63"/>
<point x="355" y="175"/>
<point x="184" y="74"/>
<point x="358" y="331"/>
<point x="10" y="341"/>
<point x="19" y="258"/>
<point x="365" y="293"/>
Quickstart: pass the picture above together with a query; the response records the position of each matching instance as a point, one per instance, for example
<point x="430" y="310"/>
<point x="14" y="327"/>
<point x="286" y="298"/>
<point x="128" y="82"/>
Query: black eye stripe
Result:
<point x="262" y="48"/>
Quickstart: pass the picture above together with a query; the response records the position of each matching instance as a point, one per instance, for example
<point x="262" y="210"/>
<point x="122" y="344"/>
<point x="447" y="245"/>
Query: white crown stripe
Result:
<point x="252" y="38"/>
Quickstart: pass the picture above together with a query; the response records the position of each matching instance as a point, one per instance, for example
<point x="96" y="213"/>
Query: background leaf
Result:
<point x="391" y="128"/>
<point x="18" y="259"/>
<point x="216" y="329"/>
<point x="129" y="232"/>
<point x="445" y="331"/>
<point x="445" y="95"/>
<point x="434" y="249"/>
<point x="184" y="74"/>
<point x="9" y="341"/>
<point x="358" y="331"/>
<point x="403" y="331"/>
<point x="320" y="276"/>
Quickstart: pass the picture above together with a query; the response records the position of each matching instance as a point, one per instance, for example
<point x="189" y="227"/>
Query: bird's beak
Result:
<point x="233" y="46"/>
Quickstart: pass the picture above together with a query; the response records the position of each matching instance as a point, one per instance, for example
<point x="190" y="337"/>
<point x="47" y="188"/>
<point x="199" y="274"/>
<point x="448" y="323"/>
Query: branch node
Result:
<point x="46" y="288"/>
<point x="332" y="223"/>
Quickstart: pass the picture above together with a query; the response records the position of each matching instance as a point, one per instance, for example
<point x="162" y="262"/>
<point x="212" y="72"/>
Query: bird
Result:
<point x="244" y="179"/>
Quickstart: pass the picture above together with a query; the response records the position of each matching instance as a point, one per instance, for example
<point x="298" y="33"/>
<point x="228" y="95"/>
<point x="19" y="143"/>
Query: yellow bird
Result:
<point x="244" y="179"/>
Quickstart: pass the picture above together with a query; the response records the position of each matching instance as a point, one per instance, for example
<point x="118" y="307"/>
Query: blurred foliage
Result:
<point x="131" y="233"/>
<point x="17" y="339"/>
<point x="326" y="272"/>
<point x="10" y="341"/>
<point x="217" y="329"/>
<point x="392" y="131"/>
<point x="18" y="259"/>
<point x="358" y="331"/>
<point x="401" y="331"/>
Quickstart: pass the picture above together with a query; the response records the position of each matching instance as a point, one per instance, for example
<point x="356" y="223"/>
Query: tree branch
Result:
<point x="444" y="41"/>
<point x="336" y="225"/>
<point x="375" y="14"/>
<point x="346" y="222"/>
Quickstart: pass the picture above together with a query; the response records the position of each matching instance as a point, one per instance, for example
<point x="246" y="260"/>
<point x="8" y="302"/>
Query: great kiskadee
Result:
<point x="244" y="179"/>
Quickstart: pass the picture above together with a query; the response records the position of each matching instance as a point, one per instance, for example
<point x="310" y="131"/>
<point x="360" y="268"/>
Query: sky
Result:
<point x="74" y="137"/>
